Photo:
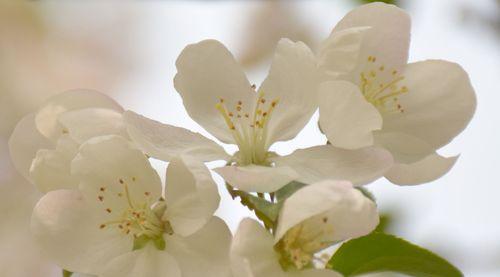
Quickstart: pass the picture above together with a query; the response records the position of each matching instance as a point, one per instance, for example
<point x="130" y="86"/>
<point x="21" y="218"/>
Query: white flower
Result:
<point x="304" y="229"/>
<point x="217" y="94"/>
<point x="119" y="207"/>
<point x="43" y="143"/>
<point x="409" y="109"/>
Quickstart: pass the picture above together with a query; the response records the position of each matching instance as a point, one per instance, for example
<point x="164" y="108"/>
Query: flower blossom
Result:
<point x="217" y="95"/>
<point x="410" y="109"/>
<point x="43" y="143"/>
<point x="118" y="223"/>
<point x="304" y="229"/>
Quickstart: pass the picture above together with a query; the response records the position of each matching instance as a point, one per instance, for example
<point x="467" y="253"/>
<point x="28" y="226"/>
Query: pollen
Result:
<point x="382" y="90"/>
<point x="248" y="125"/>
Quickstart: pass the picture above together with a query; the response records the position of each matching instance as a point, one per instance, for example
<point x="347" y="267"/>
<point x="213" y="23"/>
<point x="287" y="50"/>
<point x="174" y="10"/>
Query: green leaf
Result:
<point x="263" y="209"/>
<point x="286" y="191"/>
<point x="379" y="252"/>
<point x="66" y="273"/>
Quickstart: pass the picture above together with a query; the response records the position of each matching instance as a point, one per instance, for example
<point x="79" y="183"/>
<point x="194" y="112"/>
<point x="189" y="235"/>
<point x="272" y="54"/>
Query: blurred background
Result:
<point x="128" y="50"/>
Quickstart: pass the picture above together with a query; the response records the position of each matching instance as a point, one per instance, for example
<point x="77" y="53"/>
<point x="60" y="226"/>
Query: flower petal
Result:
<point x="206" y="73"/>
<point x="388" y="40"/>
<point x="51" y="169"/>
<point x="67" y="229"/>
<point x="255" y="178"/>
<point x="339" y="53"/>
<point x="87" y="123"/>
<point x="426" y="170"/>
<point x="110" y="169"/>
<point x="292" y="81"/>
<point x="319" y="163"/>
<point x="47" y="115"/>
<point x="205" y="253"/>
<point x="24" y="142"/>
<point x="148" y="261"/>
<point x="346" y="118"/>
<point x="164" y="141"/>
<point x="403" y="147"/>
<point x="439" y="104"/>
<point x="191" y="195"/>
<point x="334" y="207"/>
<point x="252" y="253"/>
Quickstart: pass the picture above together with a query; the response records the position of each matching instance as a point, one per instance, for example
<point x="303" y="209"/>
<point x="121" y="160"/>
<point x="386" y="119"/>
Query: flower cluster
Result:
<point x="106" y="212"/>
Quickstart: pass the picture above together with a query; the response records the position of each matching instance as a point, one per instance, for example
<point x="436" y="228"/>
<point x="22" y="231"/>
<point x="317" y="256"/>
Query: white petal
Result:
<point x="439" y="104"/>
<point x="389" y="37"/>
<point x="403" y="147"/>
<point x="164" y="141"/>
<point x="339" y="53"/>
<point x="148" y="262"/>
<point x="252" y="253"/>
<point x="24" y="142"/>
<point x="336" y="207"/>
<point x="319" y="163"/>
<point x="87" y="123"/>
<point x="110" y="167"/>
<point x="207" y="72"/>
<point x="191" y="195"/>
<point x="346" y="118"/>
<point x="255" y="178"/>
<point x="426" y="170"/>
<point x="51" y="169"/>
<point x="292" y="80"/>
<point x="205" y="253"/>
<point x="46" y="117"/>
<point x="67" y="229"/>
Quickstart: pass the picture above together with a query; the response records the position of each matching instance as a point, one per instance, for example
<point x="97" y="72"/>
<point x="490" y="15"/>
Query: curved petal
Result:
<point x="206" y="73"/>
<point x="112" y="172"/>
<point x="148" y="262"/>
<point x="426" y="170"/>
<point x="255" y="178"/>
<point x="191" y="195"/>
<point x="51" y="169"/>
<point x="345" y="117"/>
<point x="403" y="147"/>
<point x="164" y="141"/>
<point x="252" y="253"/>
<point x="339" y="53"/>
<point x="47" y="115"/>
<point x="205" y="253"/>
<point x="439" y="104"/>
<point x="67" y="229"/>
<point x="344" y="213"/>
<point x="319" y="163"/>
<point x="24" y="142"/>
<point x="87" y="123"/>
<point x="388" y="40"/>
<point x="292" y="81"/>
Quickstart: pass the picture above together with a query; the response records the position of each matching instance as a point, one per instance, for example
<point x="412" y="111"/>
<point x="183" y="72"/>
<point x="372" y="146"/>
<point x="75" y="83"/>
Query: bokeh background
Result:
<point x="128" y="49"/>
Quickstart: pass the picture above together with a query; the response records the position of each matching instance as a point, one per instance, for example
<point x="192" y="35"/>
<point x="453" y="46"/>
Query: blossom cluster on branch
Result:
<point x="106" y="212"/>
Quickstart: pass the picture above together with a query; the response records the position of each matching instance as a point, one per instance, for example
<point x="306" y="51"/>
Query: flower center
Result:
<point x="300" y="245"/>
<point x="249" y="128"/>
<point x="382" y="87"/>
<point x="136" y="219"/>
